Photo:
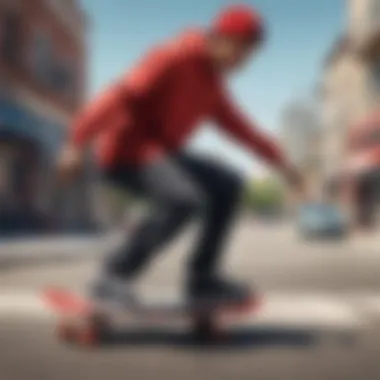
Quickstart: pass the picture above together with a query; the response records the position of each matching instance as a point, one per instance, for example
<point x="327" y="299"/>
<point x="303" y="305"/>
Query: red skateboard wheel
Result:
<point x="66" y="332"/>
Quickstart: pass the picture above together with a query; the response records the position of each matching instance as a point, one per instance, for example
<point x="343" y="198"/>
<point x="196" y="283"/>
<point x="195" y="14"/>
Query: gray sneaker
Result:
<point x="113" y="290"/>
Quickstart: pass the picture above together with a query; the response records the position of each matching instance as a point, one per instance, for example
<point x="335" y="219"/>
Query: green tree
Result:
<point x="264" y="195"/>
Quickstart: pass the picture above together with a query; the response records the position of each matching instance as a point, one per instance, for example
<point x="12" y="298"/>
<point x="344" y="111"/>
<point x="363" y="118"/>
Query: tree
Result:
<point x="121" y="203"/>
<point x="264" y="196"/>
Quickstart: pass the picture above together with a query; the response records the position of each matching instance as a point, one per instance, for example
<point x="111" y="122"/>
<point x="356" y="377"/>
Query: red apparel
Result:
<point x="155" y="108"/>
<point x="239" y="21"/>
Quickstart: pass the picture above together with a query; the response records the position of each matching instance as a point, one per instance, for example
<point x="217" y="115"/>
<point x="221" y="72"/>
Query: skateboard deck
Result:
<point x="85" y="321"/>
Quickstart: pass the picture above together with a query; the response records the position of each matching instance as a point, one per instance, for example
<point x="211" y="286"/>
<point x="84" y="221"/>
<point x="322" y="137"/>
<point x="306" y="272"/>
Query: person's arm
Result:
<point x="143" y="81"/>
<point x="232" y="120"/>
<point x="97" y="116"/>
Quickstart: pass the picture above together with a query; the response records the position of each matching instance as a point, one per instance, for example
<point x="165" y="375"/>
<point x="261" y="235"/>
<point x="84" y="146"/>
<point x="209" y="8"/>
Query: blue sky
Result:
<point x="300" y="34"/>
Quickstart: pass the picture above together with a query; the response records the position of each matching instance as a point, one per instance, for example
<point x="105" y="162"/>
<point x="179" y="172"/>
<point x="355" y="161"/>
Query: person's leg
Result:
<point x="174" y="197"/>
<point x="223" y="188"/>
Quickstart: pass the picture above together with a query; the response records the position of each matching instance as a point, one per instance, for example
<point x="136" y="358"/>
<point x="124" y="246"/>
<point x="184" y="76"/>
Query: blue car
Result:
<point x="321" y="220"/>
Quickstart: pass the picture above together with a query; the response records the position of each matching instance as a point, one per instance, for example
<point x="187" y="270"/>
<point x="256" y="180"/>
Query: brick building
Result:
<point x="350" y="94"/>
<point x="42" y="85"/>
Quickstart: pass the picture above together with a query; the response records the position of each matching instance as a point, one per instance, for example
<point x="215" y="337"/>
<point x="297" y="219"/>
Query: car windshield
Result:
<point x="321" y="211"/>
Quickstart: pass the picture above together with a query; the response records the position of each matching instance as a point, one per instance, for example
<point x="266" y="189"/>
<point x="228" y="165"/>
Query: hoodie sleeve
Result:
<point x="152" y="72"/>
<point x="232" y="120"/>
<point x="104" y="112"/>
<point x="116" y="107"/>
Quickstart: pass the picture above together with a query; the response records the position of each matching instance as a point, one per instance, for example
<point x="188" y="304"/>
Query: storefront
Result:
<point x="30" y="198"/>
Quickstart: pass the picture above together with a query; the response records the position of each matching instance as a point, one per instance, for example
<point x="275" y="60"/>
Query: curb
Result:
<point x="26" y="252"/>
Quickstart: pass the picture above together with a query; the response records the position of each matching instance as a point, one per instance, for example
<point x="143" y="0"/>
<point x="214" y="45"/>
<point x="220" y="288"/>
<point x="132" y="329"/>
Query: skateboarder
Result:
<point x="141" y="124"/>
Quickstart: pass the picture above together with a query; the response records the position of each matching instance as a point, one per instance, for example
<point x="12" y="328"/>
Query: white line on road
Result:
<point x="306" y="311"/>
<point x="22" y="304"/>
<point x="368" y="304"/>
<point x="278" y="310"/>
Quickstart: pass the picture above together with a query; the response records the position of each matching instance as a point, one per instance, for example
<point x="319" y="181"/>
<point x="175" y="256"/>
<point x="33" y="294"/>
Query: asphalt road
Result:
<point x="320" y="318"/>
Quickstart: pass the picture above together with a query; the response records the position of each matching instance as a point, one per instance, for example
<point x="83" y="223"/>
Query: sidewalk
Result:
<point x="369" y="242"/>
<point x="29" y="251"/>
<point x="22" y="251"/>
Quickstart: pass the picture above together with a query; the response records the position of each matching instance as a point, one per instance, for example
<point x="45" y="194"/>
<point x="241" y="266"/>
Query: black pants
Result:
<point x="179" y="188"/>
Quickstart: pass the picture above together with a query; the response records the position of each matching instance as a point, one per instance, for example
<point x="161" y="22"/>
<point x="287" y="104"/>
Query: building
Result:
<point x="300" y="134"/>
<point x="42" y="85"/>
<point x="350" y="87"/>
<point x="362" y="170"/>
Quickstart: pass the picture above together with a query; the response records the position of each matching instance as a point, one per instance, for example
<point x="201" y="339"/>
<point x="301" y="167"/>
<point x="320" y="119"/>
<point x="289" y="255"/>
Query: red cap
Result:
<point x="239" y="21"/>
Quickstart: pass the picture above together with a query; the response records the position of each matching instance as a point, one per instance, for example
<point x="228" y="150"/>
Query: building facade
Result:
<point x="350" y="87"/>
<point x="300" y="130"/>
<point x="42" y="85"/>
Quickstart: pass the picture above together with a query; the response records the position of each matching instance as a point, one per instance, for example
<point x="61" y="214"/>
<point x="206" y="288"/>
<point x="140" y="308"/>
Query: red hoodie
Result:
<point x="155" y="107"/>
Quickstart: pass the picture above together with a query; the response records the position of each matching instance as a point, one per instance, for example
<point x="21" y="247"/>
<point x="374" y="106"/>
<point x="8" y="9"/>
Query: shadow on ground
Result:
<point x="239" y="339"/>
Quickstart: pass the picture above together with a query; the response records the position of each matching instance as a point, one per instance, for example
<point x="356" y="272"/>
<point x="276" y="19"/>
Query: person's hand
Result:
<point x="70" y="162"/>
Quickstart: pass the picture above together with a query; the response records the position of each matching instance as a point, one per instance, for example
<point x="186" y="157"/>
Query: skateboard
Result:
<point x="86" y="322"/>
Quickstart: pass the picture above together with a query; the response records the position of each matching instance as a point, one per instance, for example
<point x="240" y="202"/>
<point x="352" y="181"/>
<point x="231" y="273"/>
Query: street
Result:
<point x="320" y="318"/>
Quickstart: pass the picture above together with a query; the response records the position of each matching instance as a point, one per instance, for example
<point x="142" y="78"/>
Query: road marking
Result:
<point x="368" y="304"/>
<point x="22" y="304"/>
<point x="278" y="310"/>
<point x="305" y="311"/>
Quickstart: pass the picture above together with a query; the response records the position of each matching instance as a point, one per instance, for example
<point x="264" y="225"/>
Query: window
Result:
<point x="374" y="13"/>
<point x="41" y="56"/>
<point x="375" y="80"/>
<point x="63" y="78"/>
<point x="11" y="38"/>
<point x="53" y="72"/>
<point x="59" y="77"/>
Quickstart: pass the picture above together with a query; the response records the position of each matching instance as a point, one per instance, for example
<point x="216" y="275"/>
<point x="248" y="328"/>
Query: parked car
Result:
<point x="321" y="221"/>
